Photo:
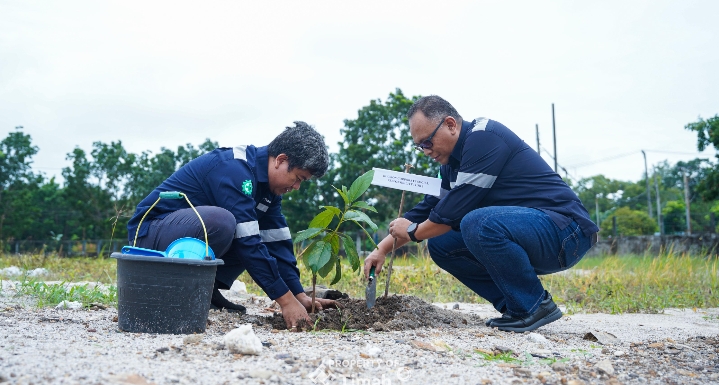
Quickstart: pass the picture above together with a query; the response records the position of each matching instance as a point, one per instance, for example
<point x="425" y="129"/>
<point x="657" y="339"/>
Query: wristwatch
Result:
<point x="411" y="229"/>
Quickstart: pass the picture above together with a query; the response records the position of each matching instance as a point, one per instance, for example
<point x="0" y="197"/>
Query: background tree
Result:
<point x="629" y="222"/>
<point x="379" y="137"/>
<point x="707" y="134"/>
<point x="17" y="181"/>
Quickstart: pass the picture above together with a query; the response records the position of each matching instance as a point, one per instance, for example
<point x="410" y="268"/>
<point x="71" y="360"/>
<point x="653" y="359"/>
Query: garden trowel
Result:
<point x="371" y="290"/>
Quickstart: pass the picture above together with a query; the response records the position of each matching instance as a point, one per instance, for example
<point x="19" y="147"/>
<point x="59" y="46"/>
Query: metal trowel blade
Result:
<point x="371" y="290"/>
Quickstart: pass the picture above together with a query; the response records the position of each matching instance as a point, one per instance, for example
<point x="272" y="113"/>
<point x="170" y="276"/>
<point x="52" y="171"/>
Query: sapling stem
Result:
<point x="407" y="166"/>
<point x="314" y="289"/>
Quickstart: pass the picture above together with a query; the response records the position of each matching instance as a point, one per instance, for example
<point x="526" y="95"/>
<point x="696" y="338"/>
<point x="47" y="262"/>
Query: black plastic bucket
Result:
<point x="163" y="295"/>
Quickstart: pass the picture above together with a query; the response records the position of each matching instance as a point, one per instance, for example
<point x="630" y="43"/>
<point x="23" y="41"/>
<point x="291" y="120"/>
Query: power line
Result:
<point x="569" y="176"/>
<point x="635" y="152"/>
<point x="613" y="157"/>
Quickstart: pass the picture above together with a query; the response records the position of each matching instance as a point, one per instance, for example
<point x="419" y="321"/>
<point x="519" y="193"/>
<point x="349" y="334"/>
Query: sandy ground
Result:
<point x="54" y="346"/>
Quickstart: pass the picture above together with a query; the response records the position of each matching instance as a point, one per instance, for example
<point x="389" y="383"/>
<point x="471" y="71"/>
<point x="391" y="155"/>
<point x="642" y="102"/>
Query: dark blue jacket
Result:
<point x="492" y="166"/>
<point x="235" y="179"/>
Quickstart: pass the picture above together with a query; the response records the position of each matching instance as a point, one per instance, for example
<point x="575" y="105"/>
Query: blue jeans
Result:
<point x="501" y="250"/>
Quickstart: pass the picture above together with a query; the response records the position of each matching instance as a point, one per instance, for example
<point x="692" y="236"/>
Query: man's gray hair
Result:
<point x="434" y="108"/>
<point x="305" y="148"/>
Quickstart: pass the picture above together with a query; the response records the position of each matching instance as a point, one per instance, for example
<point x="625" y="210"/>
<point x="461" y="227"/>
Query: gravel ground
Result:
<point x="54" y="346"/>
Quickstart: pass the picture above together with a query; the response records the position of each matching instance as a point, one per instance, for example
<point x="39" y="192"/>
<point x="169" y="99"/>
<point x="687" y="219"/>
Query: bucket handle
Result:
<point x="175" y="195"/>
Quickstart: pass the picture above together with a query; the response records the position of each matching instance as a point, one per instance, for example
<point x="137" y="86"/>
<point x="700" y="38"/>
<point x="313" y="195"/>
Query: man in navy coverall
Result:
<point x="238" y="192"/>
<point x="513" y="217"/>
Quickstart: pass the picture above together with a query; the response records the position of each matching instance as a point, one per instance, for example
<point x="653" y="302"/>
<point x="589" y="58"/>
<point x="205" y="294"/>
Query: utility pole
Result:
<point x="554" y="133"/>
<point x="537" y="127"/>
<point x="596" y="204"/>
<point x="659" y="206"/>
<point x="649" y="195"/>
<point x="686" y="201"/>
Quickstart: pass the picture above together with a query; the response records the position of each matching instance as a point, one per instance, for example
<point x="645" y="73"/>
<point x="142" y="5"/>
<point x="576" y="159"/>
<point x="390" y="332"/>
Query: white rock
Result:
<point x="72" y="305"/>
<point x="12" y="270"/>
<point x="37" y="272"/>
<point x="618" y="353"/>
<point x="261" y="373"/>
<point x="238" y="288"/>
<point x="542" y="352"/>
<point x="605" y="366"/>
<point x="243" y="340"/>
<point x="373" y="351"/>
<point x="534" y="337"/>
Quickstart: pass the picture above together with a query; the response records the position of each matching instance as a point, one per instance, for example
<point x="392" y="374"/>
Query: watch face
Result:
<point x="412" y="227"/>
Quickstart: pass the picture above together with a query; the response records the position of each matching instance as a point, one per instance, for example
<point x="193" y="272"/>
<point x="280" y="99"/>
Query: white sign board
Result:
<point x="408" y="182"/>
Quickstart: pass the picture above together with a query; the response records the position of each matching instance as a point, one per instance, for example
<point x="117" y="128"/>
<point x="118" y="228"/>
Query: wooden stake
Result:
<point x="407" y="166"/>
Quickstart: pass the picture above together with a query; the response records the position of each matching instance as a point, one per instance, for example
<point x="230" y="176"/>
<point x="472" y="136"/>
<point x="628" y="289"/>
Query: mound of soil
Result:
<point x="397" y="312"/>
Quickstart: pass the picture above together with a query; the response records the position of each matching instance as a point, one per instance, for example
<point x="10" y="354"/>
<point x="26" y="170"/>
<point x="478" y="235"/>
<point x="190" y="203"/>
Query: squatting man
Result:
<point x="238" y="192"/>
<point x="503" y="216"/>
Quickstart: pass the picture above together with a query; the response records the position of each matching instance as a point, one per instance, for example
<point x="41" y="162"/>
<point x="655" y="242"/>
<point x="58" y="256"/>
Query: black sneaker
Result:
<point x="548" y="312"/>
<point x="219" y="302"/>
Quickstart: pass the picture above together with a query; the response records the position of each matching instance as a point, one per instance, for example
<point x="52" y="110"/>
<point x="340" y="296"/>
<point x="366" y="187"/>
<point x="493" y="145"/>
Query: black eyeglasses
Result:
<point x="427" y="143"/>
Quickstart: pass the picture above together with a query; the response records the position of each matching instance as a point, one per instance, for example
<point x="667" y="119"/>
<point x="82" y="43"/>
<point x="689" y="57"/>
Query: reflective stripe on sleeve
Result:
<point x="480" y="124"/>
<point x="240" y="152"/>
<point x="247" y="229"/>
<point x="274" y="235"/>
<point x="479" y="180"/>
<point x="262" y="207"/>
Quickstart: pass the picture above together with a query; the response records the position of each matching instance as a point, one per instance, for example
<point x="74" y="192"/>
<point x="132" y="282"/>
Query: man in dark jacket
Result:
<point x="238" y="192"/>
<point x="513" y="217"/>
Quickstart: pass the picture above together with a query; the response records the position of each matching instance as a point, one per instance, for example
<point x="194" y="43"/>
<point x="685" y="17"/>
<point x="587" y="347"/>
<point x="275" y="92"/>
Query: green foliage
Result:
<point x="379" y="137"/>
<point x="629" y="222"/>
<point x="101" y="188"/>
<point x="707" y="134"/>
<point x="674" y="214"/>
<point x="53" y="294"/>
<point x="322" y="255"/>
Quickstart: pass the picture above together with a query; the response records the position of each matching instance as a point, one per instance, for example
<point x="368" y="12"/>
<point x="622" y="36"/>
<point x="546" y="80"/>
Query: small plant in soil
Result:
<point x="322" y="254"/>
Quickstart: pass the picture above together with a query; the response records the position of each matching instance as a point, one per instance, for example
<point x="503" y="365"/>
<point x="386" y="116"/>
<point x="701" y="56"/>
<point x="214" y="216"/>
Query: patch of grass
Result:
<point x="73" y="269"/>
<point x="507" y="357"/>
<point x="53" y="294"/>
<point x="610" y="284"/>
<point x="638" y="284"/>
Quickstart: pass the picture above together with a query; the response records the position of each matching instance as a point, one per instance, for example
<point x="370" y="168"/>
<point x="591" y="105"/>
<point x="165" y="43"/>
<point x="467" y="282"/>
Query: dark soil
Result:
<point x="397" y="312"/>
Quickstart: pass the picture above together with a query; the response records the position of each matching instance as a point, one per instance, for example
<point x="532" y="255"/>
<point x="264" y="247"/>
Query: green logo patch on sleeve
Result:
<point x="247" y="187"/>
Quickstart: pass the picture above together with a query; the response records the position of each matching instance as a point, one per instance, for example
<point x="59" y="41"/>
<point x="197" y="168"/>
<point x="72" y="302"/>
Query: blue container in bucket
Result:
<point x="166" y="292"/>
<point x="185" y="248"/>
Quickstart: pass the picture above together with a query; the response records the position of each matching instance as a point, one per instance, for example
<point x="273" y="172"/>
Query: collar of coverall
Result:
<point x="456" y="156"/>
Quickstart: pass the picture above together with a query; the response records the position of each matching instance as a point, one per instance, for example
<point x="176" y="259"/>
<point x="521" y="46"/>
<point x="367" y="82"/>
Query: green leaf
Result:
<point x="306" y="254"/>
<point x="359" y="216"/>
<point x="307" y="234"/>
<point x="319" y="256"/>
<point x="328" y="266"/>
<point x="334" y="210"/>
<point x="364" y="205"/>
<point x="343" y="195"/>
<point x="333" y="240"/>
<point x="322" y="219"/>
<point x="360" y="185"/>
<point x="351" y="251"/>
<point x="338" y="273"/>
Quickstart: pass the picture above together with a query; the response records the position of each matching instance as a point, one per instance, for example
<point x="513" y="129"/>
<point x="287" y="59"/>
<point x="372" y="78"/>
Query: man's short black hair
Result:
<point x="305" y="148"/>
<point x="434" y="108"/>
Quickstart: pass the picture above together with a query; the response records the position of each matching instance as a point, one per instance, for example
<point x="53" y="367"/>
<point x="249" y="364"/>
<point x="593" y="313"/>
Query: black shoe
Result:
<point x="219" y="302"/>
<point x="548" y="312"/>
<point x="489" y="322"/>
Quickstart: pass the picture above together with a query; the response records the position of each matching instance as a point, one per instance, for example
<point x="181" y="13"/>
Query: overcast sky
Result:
<point x="623" y="75"/>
